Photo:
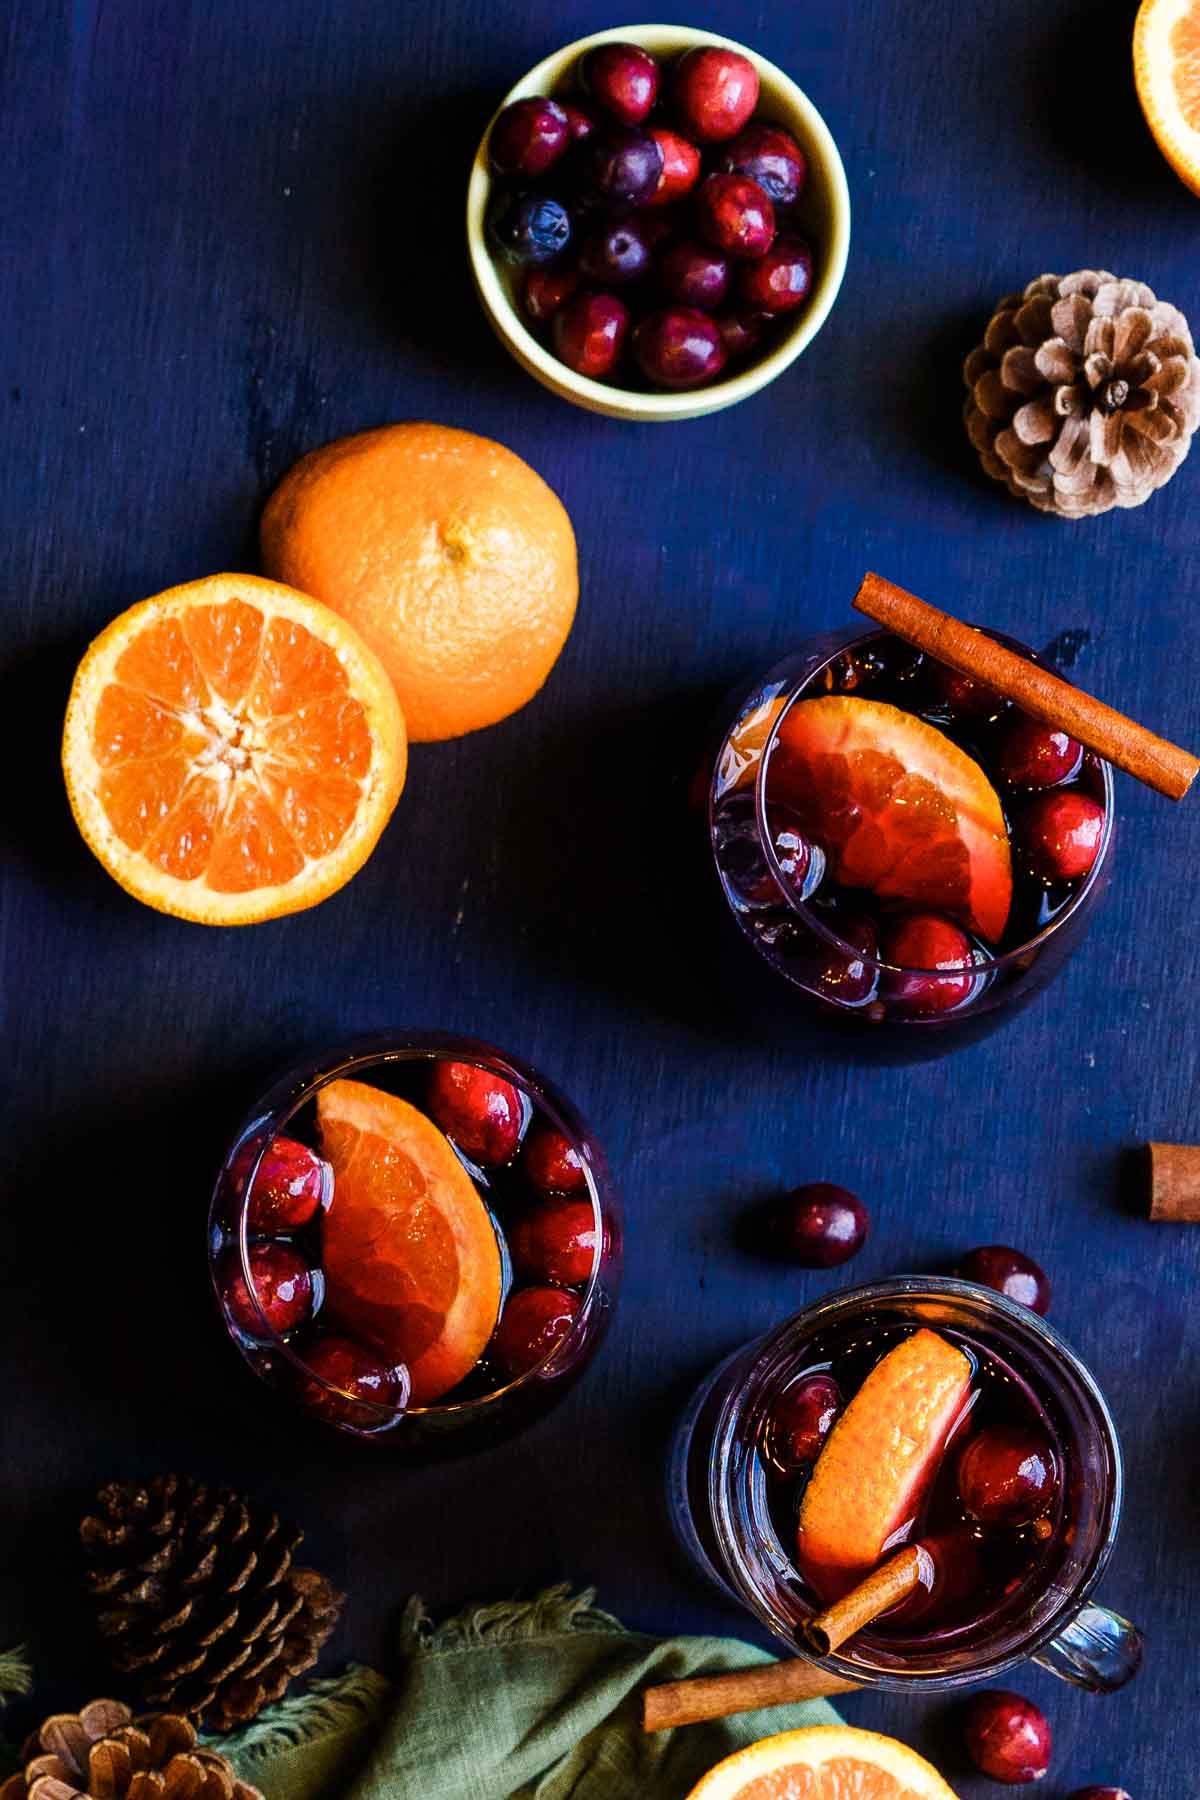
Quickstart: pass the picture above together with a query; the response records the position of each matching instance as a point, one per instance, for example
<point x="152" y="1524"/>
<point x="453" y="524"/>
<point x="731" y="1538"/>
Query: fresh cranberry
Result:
<point x="1100" y="1793"/>
<point x="819" y="1225"/>
<point x="679" y="347"/>
<point x="622" y="79"/>
<point x="951" y="1575"/>
<point x="619" y="168"/>
<point x="283" y="1286"/>
<point x="1008" y="1738"/>
<point x="291" y="1184"/>
<point x="614" y="254"/>
<point x="1061" y="833"/>
<point x="588" y="333"/>
<point x="1033" y="755"/>
<point x="800" y="1421"/>
<point x="1007" y="1475"/>
<point x="528" y="138"/>
<point x="837" y="976"/>
<point x="769" y="155"/>
<point x="660" y="224"/>
<point x="693" y="275"/>
<point x="960" y="696"/>
<point x="533" y="1322"/>
<point x="681" y="166"/>
<point x="715" y="91"/>
<point x="580" y="122"/>
<point x="926" y="941"/>
<point x="1009" y="1272"/>
<point x="528" y="228"/>
<point x="735" y="215"/>
<point x="740" y="333"/>
<point x="543" y="291"/>
<point x="778" y="281"/>
<point x="552" y="1163"/>
<point x="801" y="866"/>
<point x="367" y="1384"/>
<point x="482" y="1112"/>
<point x="556" y="1242"/>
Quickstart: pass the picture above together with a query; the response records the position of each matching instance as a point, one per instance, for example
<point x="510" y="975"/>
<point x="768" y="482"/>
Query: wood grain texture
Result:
<point x="232" y="232"/>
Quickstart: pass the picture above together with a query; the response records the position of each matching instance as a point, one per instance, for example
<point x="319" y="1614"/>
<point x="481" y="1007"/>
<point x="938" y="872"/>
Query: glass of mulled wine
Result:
<point x="920" y="1411"/>
<point x="904" y="847"/>
<point x="416" y="1240"/>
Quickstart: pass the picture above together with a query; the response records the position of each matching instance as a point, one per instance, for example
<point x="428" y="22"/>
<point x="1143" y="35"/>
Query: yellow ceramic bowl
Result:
<point x="823" y="216"/>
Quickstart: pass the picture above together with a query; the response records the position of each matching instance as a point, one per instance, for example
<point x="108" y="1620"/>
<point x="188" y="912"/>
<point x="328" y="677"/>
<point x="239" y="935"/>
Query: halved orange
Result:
<point x="879" y="1459"/>
<point x="897" y="807"/>
<point x="824" y="1762"/>
<point x="1166" y="69"/>
<point x="232" y="750"/>
<point x="411" y="1258"/>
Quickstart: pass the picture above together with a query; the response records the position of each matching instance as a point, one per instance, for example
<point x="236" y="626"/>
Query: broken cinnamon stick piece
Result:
<point x="1174" y="1183"/>
<point x="884" y="1588"/>
<point x="720" y="1696"/>
<point x="1035" y="690"/>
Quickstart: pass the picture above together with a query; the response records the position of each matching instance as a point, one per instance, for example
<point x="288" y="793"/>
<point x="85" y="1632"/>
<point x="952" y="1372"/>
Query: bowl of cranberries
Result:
<point x="658" y="222"/>
<point x="414" y="1239"/>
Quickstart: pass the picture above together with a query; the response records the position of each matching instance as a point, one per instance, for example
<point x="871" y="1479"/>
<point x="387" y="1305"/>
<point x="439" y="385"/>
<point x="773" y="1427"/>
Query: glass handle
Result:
<point x="1096" y="1649"/>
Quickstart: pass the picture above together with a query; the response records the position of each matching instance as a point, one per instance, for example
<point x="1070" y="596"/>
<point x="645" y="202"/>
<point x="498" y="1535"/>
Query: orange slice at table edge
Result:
<point x="879" y="1459"/>
<point x="897" y="807"/>
<point x="1166" y="70"/>
<point x="232" y="750"/>
<point x="824" y="1762"/>
<point x="412" y="1263"/>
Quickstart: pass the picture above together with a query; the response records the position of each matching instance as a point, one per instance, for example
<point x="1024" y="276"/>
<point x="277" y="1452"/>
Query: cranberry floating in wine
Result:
<point x="291" y="1184"/>
<point x="279" y="1295"/>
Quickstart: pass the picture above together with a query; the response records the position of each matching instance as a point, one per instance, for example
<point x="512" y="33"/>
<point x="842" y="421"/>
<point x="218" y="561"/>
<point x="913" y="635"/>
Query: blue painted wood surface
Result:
<point x="232" y="232"/>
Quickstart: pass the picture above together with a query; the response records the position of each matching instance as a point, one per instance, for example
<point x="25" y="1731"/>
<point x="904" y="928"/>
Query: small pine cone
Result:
<point x="1084" y="393"/>
<point x="105" y="1753"/>
<point x="198" y="1601"/>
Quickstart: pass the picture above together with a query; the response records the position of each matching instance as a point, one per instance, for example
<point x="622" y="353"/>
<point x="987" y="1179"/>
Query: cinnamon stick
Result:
<point x="720" y="1696"/>
<point x="1035" y="690"/>
<point x="884" y="1588"/>
<point x="1174" y="1183"/>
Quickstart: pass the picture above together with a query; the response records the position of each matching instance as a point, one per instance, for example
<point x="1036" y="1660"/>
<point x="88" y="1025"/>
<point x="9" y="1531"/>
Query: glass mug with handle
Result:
<point x="1011" y="1576"/>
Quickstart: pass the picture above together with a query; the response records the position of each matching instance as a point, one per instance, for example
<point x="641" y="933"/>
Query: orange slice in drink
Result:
<point x="232" y="750"/>
<point x="1166" y="69"/>
<point x="824" y="1762"/>
<point x="879" y="1459"/>
<point x="897" y="807"/>
<point x="411" y="1260"/>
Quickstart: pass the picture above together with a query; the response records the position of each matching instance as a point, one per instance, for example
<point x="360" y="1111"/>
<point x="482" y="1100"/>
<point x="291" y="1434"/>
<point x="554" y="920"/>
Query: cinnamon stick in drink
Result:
<point x="886" y="1586"/>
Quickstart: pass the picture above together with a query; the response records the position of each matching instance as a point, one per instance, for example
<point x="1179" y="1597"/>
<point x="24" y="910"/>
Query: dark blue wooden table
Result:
<point x="232" y="232"/>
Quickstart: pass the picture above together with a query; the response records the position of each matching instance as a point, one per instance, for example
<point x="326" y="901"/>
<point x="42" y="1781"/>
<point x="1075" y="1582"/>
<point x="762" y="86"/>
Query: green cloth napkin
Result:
<point x="508" y="1702"/>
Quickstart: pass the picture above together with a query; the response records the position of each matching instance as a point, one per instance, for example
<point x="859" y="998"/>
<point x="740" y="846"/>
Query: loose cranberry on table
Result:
<point x="1060" y="833"/>
<point x="819" y="1225"/>
<point x="1009" y="1272"/>
<point x="769" y="155"/>
<point x="740" y="333"/>
<point x="528" y="228"/>
<point x="533" y="1322"/>
<point x="552" y="1163"/>
<point x="1007" y="1737"/>
<point x="543" y="291"/>
<point x="735" y="215"/>
<point x="528" y="138"/>
<point x="291" y="1184"/>
<point x="618" y="168"/>
<point x="678" y="347"/>
<point x="283" y="1287"/>
<point x="588" y="333"/>
<point x="800" y="1421"/>
<point x="556" y="1242"/>
<point x="622" y="79"/>
<point x="1007" y="1475"/>
<point x="1033" y="755"/>
<point x="693" y="275"/>
<point x="483" y="1113"/>
<point x="927" y="941"/>
<point x="1100" y="1793"/>
<point x="614" y="254"/>
<point x="681" y="166"/>
<point x="366" y="1382"/>
<point x="835" y="974"/>
<point x="778" y="281"/>
<point x="714" y="91"/>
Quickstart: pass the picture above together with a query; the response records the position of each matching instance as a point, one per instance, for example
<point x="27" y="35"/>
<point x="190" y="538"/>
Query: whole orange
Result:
<point x="450" y="556"/>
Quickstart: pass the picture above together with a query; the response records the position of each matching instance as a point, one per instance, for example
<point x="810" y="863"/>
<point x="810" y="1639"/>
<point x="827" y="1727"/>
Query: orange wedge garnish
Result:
<point x="879" y="1459"/>
<point x="411" y="1259"/>
<point x="232" y="750"/>
<point x="1166" y="69"/>
<point x="897" y="807"/>
<point x="824" y="1762"/>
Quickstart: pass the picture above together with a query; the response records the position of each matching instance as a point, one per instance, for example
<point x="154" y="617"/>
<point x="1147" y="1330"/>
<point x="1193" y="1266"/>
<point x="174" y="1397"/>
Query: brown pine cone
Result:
<point x="104" y="1752"/>
<point x="198" y="1601"/>
<point x="1084" y="393"/>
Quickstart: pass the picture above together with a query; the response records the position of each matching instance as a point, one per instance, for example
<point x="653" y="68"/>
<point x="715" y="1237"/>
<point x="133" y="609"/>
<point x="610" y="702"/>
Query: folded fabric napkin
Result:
<point x="508" y="1702"/>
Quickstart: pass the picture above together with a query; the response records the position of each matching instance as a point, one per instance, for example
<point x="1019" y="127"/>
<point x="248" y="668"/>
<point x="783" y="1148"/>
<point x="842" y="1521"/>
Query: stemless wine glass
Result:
<point x="718" y="1495"/>
<point x="487" y="1405"/>
<point x="841" y="979"/>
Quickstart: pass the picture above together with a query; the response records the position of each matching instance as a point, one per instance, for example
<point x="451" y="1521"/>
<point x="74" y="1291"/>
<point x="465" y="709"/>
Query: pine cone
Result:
<point x="105" y="1752"/>
<point x="1084" y="393"/>
<point x="198" y="1601"/>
